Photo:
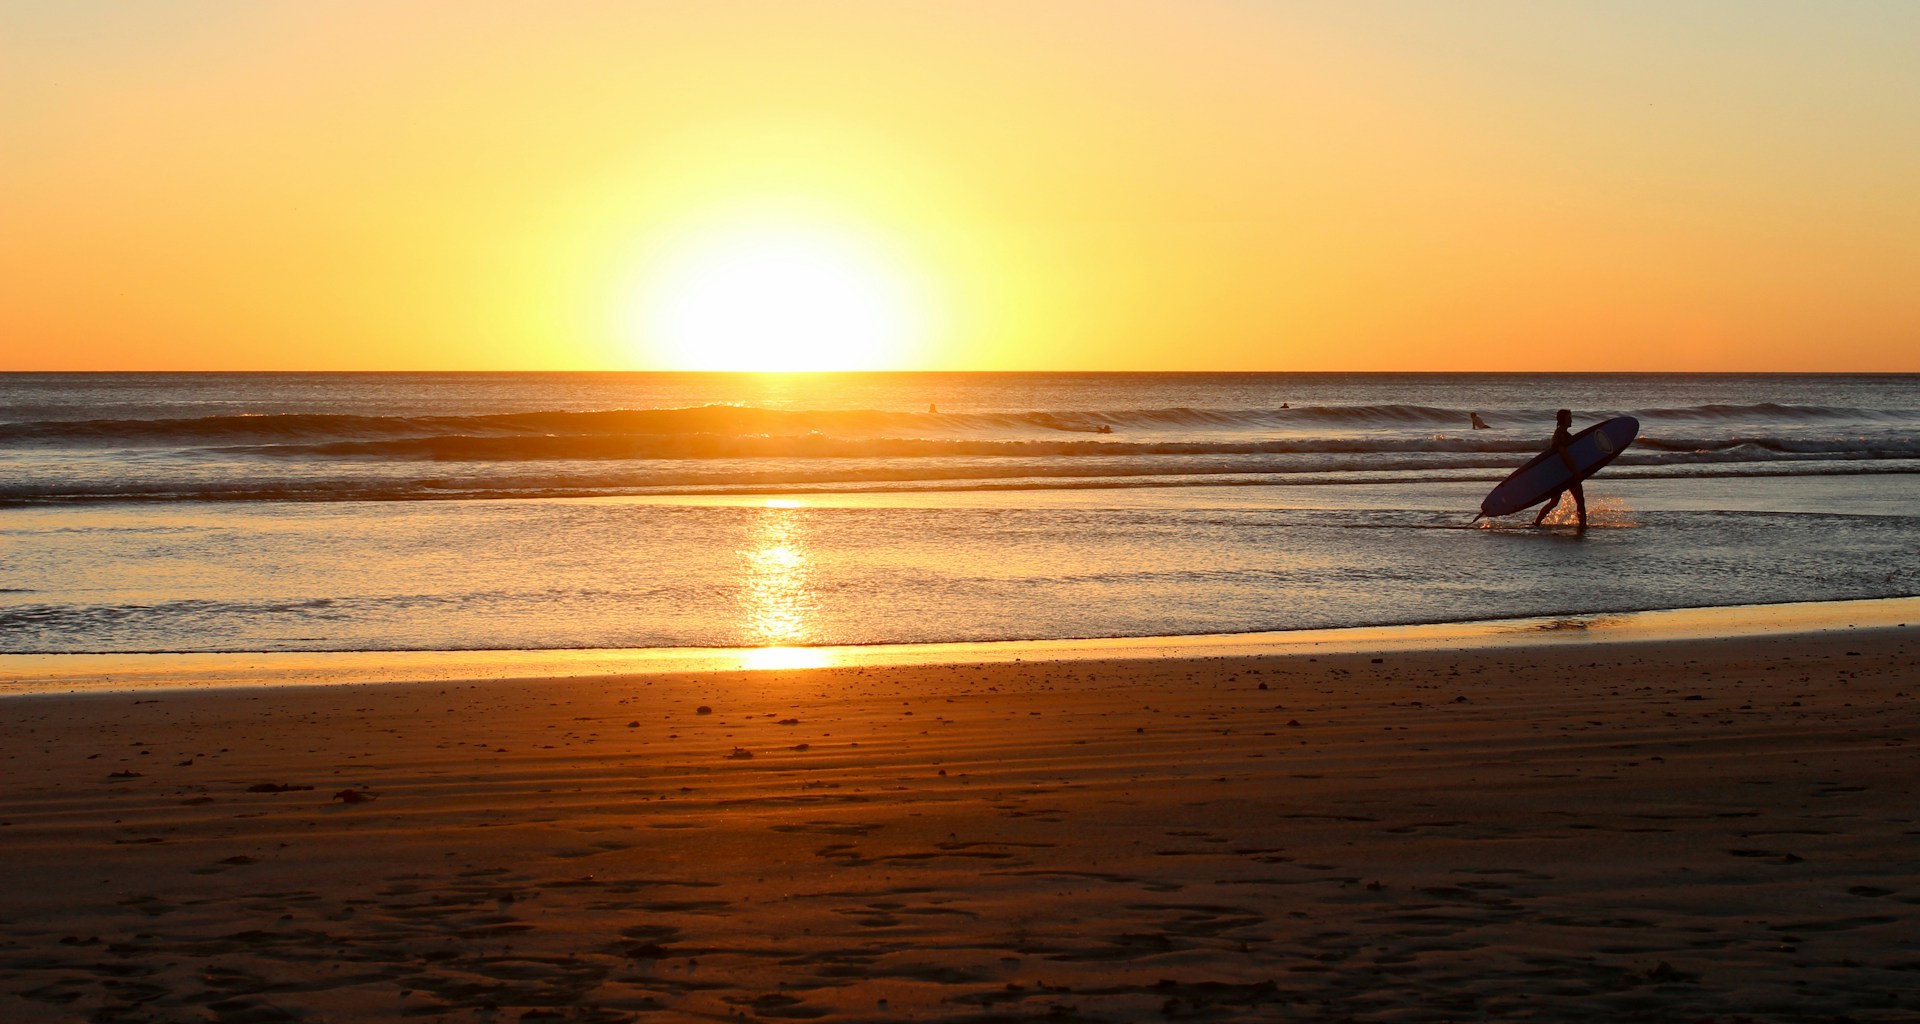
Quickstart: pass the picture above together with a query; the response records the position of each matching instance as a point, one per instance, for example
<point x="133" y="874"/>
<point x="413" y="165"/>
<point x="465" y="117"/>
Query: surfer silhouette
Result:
<point x="1563" y="437"/>
<point x="1478" y="423"/>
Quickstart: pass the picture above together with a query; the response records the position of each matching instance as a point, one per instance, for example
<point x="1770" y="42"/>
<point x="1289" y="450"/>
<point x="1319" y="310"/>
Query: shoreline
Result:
<point x="49" y="674"/>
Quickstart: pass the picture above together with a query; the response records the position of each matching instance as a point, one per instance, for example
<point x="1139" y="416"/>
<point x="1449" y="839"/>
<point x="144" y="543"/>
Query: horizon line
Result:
<point x="1003" y="372"/>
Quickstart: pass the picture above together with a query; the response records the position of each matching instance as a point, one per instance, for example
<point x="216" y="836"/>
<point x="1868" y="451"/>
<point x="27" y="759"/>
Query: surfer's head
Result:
<point x="1564" y="417"/>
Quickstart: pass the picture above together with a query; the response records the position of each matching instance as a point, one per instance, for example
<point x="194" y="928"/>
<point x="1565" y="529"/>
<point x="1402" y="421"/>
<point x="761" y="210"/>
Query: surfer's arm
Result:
<point x="1566" y="457"/>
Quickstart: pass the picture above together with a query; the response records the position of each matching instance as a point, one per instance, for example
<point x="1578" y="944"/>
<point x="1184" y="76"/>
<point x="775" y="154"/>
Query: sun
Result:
<point x="779" y="297"/>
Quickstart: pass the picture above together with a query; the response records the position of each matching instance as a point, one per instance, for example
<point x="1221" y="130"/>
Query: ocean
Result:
<point x="529" y="511"/>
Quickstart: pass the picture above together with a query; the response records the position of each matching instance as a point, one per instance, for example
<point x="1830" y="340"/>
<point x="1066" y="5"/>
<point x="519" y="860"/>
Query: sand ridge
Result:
<point x="1660" y="831"/>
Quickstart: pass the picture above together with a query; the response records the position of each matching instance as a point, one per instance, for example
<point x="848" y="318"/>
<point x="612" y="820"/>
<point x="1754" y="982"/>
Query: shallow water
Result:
<point x="554" y="573"/>
<point x="871" y="549"/>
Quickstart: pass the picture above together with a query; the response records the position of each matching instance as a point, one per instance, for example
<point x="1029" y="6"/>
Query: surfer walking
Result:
<point x="1569" y="459"/>
<point x="1562" y="438"/>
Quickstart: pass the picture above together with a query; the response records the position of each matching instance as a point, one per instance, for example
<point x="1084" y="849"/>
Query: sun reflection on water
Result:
<point x="776" y="596"/>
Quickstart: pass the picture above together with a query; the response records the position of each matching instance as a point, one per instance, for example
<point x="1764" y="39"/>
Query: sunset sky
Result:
<point x="915" y="185"/>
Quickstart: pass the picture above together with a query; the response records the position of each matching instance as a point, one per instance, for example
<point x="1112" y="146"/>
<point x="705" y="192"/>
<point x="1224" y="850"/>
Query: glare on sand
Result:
<point x="788" y="657"/>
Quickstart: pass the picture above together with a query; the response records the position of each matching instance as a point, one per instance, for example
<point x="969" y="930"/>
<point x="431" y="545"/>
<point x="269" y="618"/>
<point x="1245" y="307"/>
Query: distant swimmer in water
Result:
<point x="1562" y="438"/>
<point x="932" y="407"/>
<point x="1284" y="405"/>
<point x="1104" y="429"/>
<point x="1478" y="423"/>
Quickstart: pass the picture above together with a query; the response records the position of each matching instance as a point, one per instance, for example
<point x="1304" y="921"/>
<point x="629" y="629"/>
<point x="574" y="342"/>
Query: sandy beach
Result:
<point x="1666" y="830"/>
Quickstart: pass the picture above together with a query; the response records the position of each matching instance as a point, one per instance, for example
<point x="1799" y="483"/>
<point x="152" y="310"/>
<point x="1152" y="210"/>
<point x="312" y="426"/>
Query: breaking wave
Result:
<point x="698" y="449"/>
<point x="747" y="420"/>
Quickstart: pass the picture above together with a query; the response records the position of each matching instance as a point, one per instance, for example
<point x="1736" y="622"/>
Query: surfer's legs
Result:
<point x="1580" y="504"/>
<point x="1553" y="503"/>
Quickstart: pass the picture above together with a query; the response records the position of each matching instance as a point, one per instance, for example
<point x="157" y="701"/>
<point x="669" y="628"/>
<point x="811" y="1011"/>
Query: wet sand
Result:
<point x="1666" y="830"/>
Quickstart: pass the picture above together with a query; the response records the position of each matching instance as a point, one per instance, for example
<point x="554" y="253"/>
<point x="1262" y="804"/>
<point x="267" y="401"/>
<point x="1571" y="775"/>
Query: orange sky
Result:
<point x="1111" y="185"/>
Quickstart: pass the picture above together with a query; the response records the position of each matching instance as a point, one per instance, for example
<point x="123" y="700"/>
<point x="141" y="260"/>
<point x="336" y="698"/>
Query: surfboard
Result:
<point x="1591" y="449"/>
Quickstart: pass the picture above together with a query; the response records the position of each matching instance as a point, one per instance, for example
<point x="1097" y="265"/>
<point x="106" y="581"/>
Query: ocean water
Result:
<point x="329" y="512"/>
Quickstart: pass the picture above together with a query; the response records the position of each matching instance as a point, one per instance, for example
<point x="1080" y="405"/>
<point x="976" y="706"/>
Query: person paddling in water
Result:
<point x="1562" y="437"/>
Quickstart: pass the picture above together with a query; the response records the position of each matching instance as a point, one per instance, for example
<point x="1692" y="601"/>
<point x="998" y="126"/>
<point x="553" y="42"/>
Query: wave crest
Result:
<point x="746" y="421"/>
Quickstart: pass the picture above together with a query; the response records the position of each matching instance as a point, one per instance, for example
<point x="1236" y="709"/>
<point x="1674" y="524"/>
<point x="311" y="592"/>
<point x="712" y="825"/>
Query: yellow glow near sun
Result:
<point x="780" y="297"/>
